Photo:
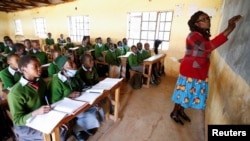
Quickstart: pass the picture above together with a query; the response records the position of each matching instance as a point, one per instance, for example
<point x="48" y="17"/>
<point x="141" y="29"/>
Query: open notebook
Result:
<point x="47" y="122"/>
<point x="89" y="97"/>
<point x="107" y="83"/>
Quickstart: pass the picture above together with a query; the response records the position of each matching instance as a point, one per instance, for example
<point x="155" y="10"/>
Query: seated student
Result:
<point x="10" y="75"/>
<point x="113" y="61"/>
<point x="27" y="44"/>
<point x="83" y="47"/>
<point x="57" y="46"/>
<point x="62" y="40"/>
<point x="36" y="51"/>
<point x="146" y="51"/>
<point x="125" y="44"/>
<point x="88" y="74"/>
<point x="64" y="84"/>
<point x="121" y="48"/>
<point x="49" y="41"/>
<point x="106" y="45"/>
<point x="140" y="56"/>
<point x="53" y="69"/>
<point x="4" y="44"/>
<point x="10" y="48"/>
<point x="99" y="48"/>
<point x="69" y="44"/>
<point x="20" y="49"/>
<point x="27" y="99"/>
<point x="133" y="60"/>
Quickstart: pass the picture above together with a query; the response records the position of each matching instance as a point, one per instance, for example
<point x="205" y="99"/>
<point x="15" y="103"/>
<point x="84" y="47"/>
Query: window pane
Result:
<point x="152" y="16"/>
<point x="167" y="26"/>
<point x="165" y="45"/>
<point x="144" y="35"/>
<point x="79" y="26"/>
<point x="169" y="16"/>
<point x="144" y="26"/>
<point x="161" y="28"/>
<point x="166" y="36"/>
<point x="151" y="35"/>
<point x="162" y="16"/>
<point x="160" y="36"/>
<point x="145" y="16"/>
<point x="152" y="25"/>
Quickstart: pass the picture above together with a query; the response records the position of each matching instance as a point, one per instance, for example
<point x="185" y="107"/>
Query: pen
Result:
<point x="47" y="101"/>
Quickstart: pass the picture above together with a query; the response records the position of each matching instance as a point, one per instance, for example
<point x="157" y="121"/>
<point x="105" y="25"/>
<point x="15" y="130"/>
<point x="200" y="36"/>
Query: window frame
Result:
<point x="157" y="19"/>
<point x="40" y="28"/>
<point x="18" y="27"/>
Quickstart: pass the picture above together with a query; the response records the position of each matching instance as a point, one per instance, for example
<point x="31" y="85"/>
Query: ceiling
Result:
<point x="18" y="5"/>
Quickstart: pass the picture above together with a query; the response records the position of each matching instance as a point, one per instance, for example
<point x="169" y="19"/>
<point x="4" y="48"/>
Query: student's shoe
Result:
<point x="79" y="136"/>
<point x="184" y="116"/>
<point x="176" y="119"/>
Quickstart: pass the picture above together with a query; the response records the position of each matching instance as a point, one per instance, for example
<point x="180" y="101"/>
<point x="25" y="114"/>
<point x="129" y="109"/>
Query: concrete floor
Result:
<point x="145" y="116"/>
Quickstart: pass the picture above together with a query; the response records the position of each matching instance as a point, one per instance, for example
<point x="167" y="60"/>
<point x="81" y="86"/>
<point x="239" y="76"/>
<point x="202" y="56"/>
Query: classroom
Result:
<point x="136" y="113"/>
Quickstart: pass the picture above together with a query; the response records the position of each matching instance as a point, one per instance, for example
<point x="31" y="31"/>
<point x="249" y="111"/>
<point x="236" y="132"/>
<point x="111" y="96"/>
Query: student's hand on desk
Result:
<point x="41" y="110"/>
<point x="74" y="94"/>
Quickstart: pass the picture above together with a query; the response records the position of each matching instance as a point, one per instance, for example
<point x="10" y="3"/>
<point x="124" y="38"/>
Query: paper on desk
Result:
<point x="73" y="48"/>
<point x="88" y="97"/>
<point x="107" y="83"/>
<point x="95" y="90"/>
<point x="67" y="105"/>
<point x="46" y="122"/>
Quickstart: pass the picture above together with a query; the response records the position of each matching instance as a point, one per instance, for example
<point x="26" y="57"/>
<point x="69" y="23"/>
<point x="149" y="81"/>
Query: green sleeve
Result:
<point x="132" y="60"/>
<point x="18" y="108"/>
<point x="7" y="79"/>
<point x="6" y="50"/>
<point x="52" y="69"/>
<point x="58" y="89"/>
<point x="98" y="51"/>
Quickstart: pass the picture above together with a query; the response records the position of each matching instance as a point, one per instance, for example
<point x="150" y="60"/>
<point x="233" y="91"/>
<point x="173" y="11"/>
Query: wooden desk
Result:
<point x="56" y="133"/>
<point x="147" y="65"/>
<point x="124" y="59"/>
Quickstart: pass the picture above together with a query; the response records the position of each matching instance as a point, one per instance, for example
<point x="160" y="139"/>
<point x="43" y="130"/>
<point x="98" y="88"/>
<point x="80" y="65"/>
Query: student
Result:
<point x="9" y="48"/>
<point x="191" y="88"/>
<point x="114" y="61"/>
<point x="140" y="54"/>
<point x="125" y="44"/>
<point x="62" y="40"/>
<point x="83" y="47"/>
<point x="146" y="51"/>
<point x="64" y="84"/>
<point x="133" y="60"/>
<point x="4" y="44"/>
<point x="88" y="74"/>
<point x="69" y="44"/>
<point x="99" y="48"/>
<point x="36" y="51"/>
<point x="26" y="99"/>
<point x="49" y="41"/>
<point x="106" y="45"/>
<point x="121" y="48"/>
<point x="58" y="45"/>
<point x="10" y="75"/>
<point x="53" y="69"/>
<point x="20" y="49"/>
<point x="27" y="44"/>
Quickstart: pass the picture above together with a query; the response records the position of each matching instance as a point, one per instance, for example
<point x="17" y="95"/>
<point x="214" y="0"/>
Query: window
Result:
<point x="147" y="26"/>
<point x="18" y="27"/>
<point x="78" y="27"/>
<point x="40" y="28"/>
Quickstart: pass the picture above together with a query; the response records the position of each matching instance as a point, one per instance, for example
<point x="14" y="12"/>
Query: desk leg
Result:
<point x="56" y="134"/>
<point x="46" y="137"/>
<point x="149" y="75"/>
<point x="123" y="69"/>
<point x="117" y="103"/>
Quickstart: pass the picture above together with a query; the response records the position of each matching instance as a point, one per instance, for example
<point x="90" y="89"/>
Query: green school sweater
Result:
<point x="69" y="45"/>
<point x="82" y="50"/>
<point x="2" y="47"/>
<point x="112" y="57"/>
<point x="126" y="47"/>
<point x="146" y="54"/>
<point x="140" y="57"/>
<point x="8" y="79"/>
<point x="7" y="50"/>
<point x="89" y="77"/>
<point x="122" y="50"/>
<point x="59" y="89"/>
<point x="99" y="50"/>
<point x="23" y="100"/>
<point x="49" y="41"/>
<point x="57" y="47"/>
<point x="132" y="60"/>
<point x="42" y="56"/>
<point x="52" y="69"/>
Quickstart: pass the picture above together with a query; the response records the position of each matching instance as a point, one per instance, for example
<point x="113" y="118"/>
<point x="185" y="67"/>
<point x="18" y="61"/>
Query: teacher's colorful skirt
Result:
<point x="190" y="92"/>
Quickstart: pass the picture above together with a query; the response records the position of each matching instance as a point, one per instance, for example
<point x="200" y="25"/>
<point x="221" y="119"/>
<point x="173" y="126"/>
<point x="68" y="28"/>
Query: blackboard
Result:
<point x="236" y="51"/>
